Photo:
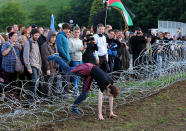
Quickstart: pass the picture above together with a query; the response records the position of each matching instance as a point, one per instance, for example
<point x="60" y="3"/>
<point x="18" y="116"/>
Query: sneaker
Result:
<point x="76" y="94"/>
<point x="75" y="110"/>
<point x="68" y="92"/>
<point x="16" y="112"/>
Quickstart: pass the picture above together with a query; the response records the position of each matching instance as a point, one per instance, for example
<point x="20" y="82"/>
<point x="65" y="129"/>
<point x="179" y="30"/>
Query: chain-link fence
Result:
<point x="171" y="26"/>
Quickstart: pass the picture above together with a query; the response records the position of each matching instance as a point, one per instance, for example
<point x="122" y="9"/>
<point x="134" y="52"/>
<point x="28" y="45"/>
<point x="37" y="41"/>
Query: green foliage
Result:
<point x="64" y="14"/>
<point x="183" y="17"/>
<point x="162" y="121"/>
<point x="41" y="16"/>
<point x="182" y="109"/>
<point x="147" y="12"/>
<point x="11" y="14"/>
<point x="28" y="6"/>
<point x="81" y="11"/>
<point x="97" y="5"/>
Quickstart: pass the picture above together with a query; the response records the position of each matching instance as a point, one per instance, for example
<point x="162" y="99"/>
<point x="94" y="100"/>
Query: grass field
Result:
<point x="163" y="111"/>
<point x="172" y="96"/>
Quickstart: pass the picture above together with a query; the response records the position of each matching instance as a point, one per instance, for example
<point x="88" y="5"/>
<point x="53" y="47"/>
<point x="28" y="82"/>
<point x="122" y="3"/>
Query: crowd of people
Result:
<point x="110" y="49"/>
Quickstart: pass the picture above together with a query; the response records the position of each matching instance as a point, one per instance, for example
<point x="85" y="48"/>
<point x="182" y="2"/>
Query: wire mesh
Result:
<point x="158" y="67"/>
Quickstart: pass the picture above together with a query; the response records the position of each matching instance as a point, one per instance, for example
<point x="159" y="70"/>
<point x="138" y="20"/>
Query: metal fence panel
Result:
<point x="171" y="26"/>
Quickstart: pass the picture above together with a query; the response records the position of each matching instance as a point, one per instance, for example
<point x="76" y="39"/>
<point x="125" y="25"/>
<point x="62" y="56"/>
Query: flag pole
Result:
<point x="106" y="10"/>
<point x="106" y="16"/>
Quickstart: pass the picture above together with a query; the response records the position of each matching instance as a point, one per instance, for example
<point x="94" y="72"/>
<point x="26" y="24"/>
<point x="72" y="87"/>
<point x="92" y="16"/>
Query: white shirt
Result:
<point x="74" y="48"/>
<point x="102" y="46"/>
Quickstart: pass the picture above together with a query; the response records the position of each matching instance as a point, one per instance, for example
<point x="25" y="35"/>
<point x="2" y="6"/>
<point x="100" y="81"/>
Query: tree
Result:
<point x="97" y="7"/>
<point x="64" y="14"/>
<point x="81" y="11"/>
<point x="183" y="17"/>
<point x="11" y="14"/>
<point x="41" y="16"/>
<point x="148" y="12"/>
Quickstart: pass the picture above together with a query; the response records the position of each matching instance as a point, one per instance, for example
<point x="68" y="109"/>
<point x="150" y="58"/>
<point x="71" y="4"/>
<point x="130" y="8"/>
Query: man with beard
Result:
<point x="32" y="58"/>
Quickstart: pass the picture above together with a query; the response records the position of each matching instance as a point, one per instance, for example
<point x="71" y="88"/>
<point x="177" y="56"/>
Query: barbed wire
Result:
<point x="156" y="68"/>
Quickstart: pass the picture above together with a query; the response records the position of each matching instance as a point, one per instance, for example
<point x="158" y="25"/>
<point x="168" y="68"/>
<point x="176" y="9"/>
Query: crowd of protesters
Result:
<point x="71" y="53"/>
<point x="110" y="49"/>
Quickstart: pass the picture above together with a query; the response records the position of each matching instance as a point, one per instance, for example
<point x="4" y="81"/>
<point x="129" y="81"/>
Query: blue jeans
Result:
<point x="82" y="96"/>
<point x="111" y="63"/>
<point x="34" y="77"/>
<point x="63" y="65"/>
<point x="159" y="61"/>
<point x="75" y="79"/>
<point x="35" y="74"/>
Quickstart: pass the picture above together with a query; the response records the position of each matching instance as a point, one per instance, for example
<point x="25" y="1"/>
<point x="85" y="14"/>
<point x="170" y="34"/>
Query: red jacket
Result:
<point x="85" y="70"/>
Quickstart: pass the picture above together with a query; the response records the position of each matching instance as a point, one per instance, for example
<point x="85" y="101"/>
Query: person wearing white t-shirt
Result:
<point x="101" y="55"/>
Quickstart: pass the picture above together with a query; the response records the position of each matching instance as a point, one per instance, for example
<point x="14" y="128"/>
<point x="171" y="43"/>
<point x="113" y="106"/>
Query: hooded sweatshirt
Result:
<point x="48" y="49"/>
<point x="63" y="46"/>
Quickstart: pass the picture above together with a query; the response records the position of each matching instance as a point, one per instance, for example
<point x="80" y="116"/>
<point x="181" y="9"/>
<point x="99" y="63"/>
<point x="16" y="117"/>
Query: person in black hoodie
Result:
<point x="153" y="36"/>
<point x="137" y="45"/>
<point x="43" y="38"/>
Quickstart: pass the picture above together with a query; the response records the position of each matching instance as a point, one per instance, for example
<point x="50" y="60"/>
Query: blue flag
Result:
<point x="52" y="23"/>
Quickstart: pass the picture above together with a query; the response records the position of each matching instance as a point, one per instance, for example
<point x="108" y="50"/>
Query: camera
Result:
<point x="138" y="33"/>
<point x="89" y="38"/>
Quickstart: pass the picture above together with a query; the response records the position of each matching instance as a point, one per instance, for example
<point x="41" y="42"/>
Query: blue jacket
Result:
<point x="112" y="50"/>
<point x="63" y="47"/>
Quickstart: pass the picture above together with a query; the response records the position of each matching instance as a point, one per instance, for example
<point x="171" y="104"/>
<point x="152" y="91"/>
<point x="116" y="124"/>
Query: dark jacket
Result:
<point x="114" y="45"/>
<point x="137" y="44"/>
<point x="41" y="40"/>
<point x="123" y="55"/>
<point x="88" y="56"/>
<point x="48" y="49"/>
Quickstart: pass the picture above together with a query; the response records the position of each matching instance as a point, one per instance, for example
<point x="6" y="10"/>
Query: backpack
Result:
<point x="30" y="42"/>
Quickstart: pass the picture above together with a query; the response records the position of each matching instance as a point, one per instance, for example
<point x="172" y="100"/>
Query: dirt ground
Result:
<point x="165" y="111"/>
